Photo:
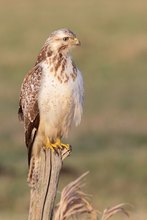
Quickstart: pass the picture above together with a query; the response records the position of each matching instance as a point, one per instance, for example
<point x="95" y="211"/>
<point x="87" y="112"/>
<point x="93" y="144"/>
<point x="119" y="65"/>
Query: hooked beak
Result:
<point x="77" y="42"/>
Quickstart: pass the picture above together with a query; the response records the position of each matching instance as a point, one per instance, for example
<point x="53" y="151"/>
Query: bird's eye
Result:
<point x="65" y="38"/>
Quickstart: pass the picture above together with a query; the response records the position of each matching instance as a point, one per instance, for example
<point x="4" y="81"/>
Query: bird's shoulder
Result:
<point x="29" y="93"/>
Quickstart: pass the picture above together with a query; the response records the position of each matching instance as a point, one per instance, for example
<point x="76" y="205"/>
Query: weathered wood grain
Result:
<point x="45" y="184"/>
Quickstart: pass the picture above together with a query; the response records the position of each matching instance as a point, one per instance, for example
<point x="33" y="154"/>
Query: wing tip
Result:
<point x="20" y="114"/>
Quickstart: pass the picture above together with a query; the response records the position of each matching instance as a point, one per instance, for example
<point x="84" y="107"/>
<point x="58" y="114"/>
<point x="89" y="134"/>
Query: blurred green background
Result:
<point x="111" y="141"/>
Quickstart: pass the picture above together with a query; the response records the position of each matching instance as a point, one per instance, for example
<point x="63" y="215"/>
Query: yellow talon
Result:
<point x="56" y="145"/>
<point x="61" y="145"/>
<point x="48" y="144"/>
<point x="67" y="146"/>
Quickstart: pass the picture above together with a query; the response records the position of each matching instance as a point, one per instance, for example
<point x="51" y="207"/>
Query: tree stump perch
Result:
<point x="44" y="189"/>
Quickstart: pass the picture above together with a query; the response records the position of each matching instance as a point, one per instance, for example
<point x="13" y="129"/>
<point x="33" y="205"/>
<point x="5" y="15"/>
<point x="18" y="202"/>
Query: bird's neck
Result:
<point x="61" y="67"/>
<point x="48" y="53"/>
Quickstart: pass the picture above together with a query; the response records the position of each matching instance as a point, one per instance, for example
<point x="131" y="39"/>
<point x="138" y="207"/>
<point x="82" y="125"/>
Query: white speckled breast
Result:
<point x="59" y="103"/>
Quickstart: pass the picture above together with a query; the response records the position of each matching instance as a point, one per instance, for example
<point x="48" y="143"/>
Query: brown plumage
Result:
<point x="51" y="95"/>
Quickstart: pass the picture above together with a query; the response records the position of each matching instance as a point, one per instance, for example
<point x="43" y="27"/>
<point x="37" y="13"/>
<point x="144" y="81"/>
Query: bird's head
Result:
<point x="62" y="41"/>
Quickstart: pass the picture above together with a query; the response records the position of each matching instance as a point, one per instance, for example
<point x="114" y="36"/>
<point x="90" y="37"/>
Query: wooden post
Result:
<point x="44" y="189"/>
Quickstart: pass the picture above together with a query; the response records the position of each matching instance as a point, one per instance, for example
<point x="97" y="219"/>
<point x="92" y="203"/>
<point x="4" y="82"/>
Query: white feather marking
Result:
<point x="32" y="87"/>
<point x="60" y="103"/>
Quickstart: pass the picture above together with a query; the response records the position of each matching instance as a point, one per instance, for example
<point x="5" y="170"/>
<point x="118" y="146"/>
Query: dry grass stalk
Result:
<point x="74" y="202"/>
<point x="120" y="208"/>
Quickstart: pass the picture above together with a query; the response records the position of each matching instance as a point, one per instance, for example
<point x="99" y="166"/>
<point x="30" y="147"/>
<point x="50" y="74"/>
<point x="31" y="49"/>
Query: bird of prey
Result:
<point x="51" y="97"/>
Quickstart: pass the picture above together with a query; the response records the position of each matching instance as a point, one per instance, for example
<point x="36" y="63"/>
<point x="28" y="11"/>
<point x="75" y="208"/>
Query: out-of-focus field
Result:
<point x="111" y="142"/>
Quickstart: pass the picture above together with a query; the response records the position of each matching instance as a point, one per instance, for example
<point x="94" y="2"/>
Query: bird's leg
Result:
<point x="48" y="144"/>
<point x="60" y="145"/>
<point x="56" y="145"/>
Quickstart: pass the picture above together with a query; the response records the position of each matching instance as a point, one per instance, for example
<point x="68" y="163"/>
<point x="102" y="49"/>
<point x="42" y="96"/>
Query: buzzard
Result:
<point x="51" y="95"/>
